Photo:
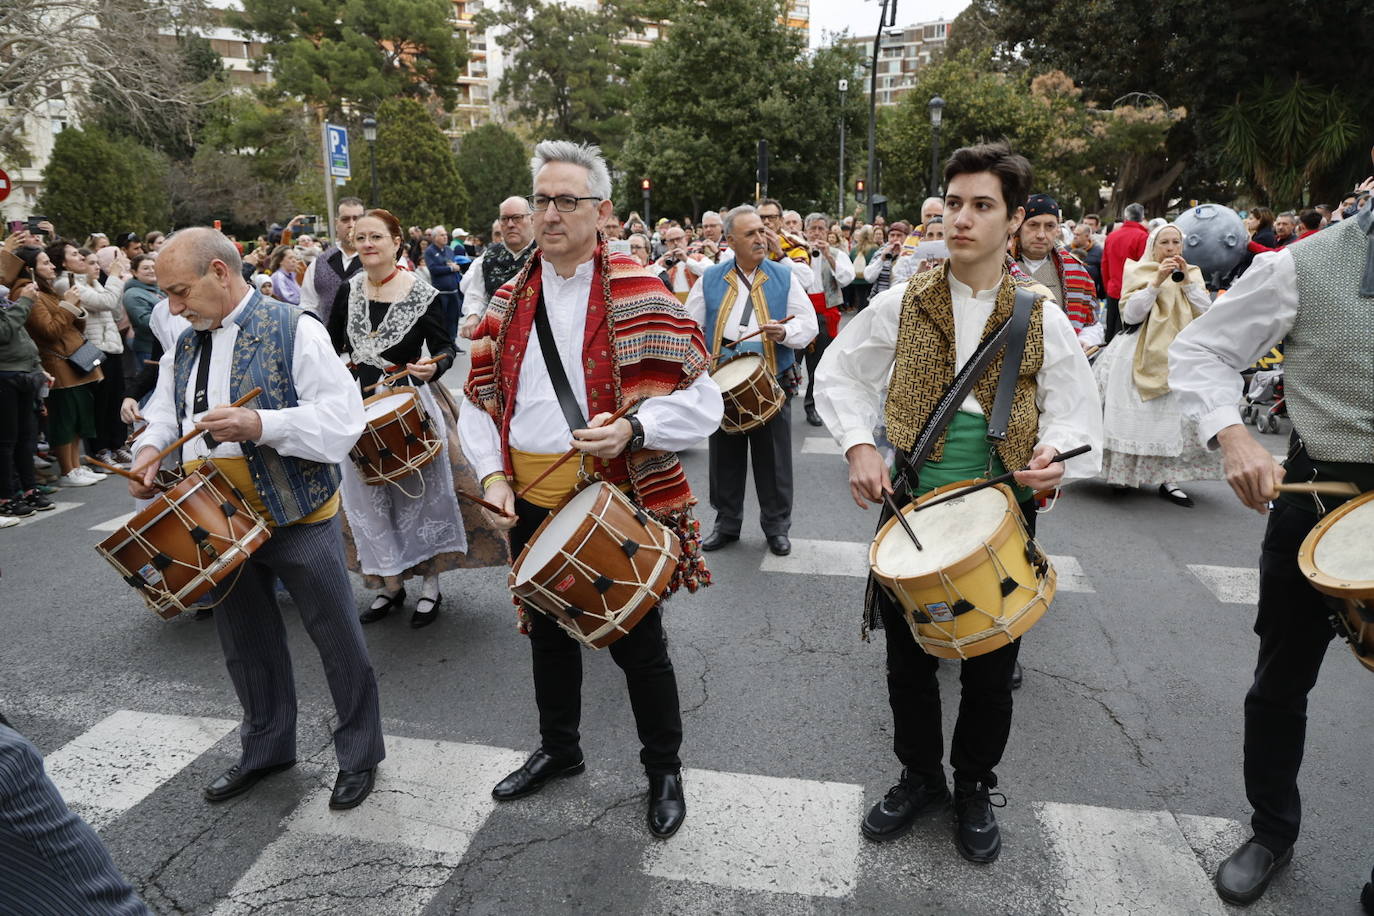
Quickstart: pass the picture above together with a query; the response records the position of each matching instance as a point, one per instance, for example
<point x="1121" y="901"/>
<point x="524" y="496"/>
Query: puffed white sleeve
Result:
<point x="1066" y="395"/>
<point x="328" y="417"/>
<point x="852" y="375"/>
<point x="480" y="438"/>
<point x="802" y="329"/>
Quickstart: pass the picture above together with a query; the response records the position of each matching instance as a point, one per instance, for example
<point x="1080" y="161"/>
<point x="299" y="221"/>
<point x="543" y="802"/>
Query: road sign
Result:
<point x="4" y="185"/>
<point x="338" y="151"/>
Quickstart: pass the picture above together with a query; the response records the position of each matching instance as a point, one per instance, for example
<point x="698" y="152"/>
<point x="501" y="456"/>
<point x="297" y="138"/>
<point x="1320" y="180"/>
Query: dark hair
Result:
<point x="1265" y="217"/>
<point x="768" y="200"/>
<point x="1088" y="216"/>
<point x="30" y="258"/>
<point x="151" y="238"/>
<point x="1310" y="219"/>
<point x="137" y="260"/>
<point x="349" y="202"/>
<point x="278" y="255"/>
<point x="1011" y="169"/>
<point x="57" y="252"/>
<point x="393" y="225"/>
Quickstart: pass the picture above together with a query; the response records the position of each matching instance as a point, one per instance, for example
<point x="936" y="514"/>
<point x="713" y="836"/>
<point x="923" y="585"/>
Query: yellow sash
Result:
<point x="236" y="470"/>
<point x="553" y="489"/>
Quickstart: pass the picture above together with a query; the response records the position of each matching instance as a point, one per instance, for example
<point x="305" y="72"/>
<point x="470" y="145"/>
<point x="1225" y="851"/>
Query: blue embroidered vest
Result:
<point x="776" y="280"/>
<point x="291" y="488"/>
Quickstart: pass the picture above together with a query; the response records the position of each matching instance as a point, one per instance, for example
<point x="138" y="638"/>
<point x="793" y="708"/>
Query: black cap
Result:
<point x="1041" y="204"/>
<point x="125" y="238"/>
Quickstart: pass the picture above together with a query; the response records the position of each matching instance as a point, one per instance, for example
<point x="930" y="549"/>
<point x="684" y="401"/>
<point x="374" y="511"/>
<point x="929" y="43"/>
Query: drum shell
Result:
<point x="406" y="432"/>
<point x="976" y="579"/>
<point x="640" y="579"/>
<point x="751" y="402"/>
<point x="200" y="495"/>
<point x="1324" y="582"/>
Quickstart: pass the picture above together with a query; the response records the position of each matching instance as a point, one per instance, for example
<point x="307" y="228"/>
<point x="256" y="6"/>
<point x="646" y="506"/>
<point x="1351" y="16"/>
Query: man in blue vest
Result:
<point x="282" y="454"/>
<point x="736" y="297"/>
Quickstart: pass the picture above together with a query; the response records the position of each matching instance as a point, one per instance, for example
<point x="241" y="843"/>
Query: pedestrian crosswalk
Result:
<point x="746" y="834"/>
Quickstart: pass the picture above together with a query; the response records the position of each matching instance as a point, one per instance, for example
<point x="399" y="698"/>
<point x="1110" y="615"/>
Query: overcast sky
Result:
<point x="861" y="16"/>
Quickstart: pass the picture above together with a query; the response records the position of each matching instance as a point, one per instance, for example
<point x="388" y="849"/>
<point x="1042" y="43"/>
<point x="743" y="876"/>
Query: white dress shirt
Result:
<point x="853" y="374"/>
<point x="166" y="327"/>
<point x="801" y="269"/>
<point x="1207" y="356"/>
<point x="310" y="297"/>
<point x="474" y="288"/>
<point x="797" y="333"/>
<point x="671" y="422"/>
<point x="843" y="271"/>
<point x="323" y="427"/>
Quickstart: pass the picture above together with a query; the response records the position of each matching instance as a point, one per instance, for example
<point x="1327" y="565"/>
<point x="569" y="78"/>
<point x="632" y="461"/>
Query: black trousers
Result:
<point x="985" y="703"/>
<point x="813" y="357"/>
<point x="1111" y="317"/>
<point x="18" y="432"/>
<point x="1294" y="630"/>
<point x="110" y="431"/>
<point x="642" y="654"/>
<point x="729" y="458"/>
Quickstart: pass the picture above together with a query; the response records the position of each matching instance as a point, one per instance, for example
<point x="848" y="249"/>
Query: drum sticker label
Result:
<point x="939" y="612"/>
<point x="150" y="574"/>
<point x="566" y="583"/>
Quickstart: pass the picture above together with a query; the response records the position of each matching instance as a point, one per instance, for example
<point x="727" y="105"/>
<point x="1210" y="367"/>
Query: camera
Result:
<point x="670" y="262"/>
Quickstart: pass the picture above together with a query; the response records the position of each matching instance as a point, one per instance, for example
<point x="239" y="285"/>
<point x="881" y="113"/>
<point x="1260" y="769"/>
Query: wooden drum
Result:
<point x="752" y="395"/>
<point x="1337" y="557"/>
<point x="398" y="440"/>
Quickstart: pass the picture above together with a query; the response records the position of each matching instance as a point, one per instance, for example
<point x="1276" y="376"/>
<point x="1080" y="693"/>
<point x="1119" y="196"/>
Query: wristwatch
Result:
<point x="636" y="434"/>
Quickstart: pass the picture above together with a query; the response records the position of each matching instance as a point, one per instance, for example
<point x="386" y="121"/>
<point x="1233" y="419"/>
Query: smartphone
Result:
<point x="17" y="225"/>
<point x="33" y="224"/>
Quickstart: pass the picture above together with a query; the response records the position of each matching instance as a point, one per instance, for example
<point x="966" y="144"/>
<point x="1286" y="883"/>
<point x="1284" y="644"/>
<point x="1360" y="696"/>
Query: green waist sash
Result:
<point x="966" y="456"/>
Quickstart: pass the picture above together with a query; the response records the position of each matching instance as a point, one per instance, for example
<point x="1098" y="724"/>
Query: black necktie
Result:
<point x="201" y="403"/>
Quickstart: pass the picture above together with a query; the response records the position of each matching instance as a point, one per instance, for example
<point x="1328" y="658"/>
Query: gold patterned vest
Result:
<point x="924" y="367"/>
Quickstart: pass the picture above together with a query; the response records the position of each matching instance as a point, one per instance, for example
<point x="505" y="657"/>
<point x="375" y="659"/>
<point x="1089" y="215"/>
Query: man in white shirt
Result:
<point x="328" y="275"/>
<point x="675" y="266"/>
<point x="499" y="261"/>
<point x="282" y="454"/>
<point x="740" y="295"/>
<point x="912" y="341"/>
<point x="831" y="272"/>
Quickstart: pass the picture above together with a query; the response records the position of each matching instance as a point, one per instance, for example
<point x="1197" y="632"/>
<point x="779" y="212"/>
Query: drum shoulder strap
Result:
<point x="567" y="401"/>
<point x="1019" y="325"/>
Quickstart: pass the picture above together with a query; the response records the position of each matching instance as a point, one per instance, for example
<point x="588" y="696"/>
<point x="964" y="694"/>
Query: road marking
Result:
<point x="764" y="833"/>
<point x="396" y="850"/>
<point x="1114" y="861"/>
<point x="57" y="509"/>
<point x="1229" y="584"/>
<point x="125" y="757"/>
<point x="113" y="524"/>
<point x="820" y="445"/>
<point x="1072" y="578"/>
<point x="821" y="558"/>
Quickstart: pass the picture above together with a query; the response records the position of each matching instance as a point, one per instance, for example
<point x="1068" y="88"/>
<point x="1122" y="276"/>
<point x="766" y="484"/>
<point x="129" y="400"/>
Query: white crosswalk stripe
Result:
<point x="1072" y="578"/>
<point x="820" y="445"/>
<point x="1229" y="584"/>
<point x="113" y="524"/>
<point x="820" y="558"/>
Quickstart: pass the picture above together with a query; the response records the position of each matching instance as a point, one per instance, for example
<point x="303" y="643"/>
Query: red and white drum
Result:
<point x="398" y="440"/>
<point x="752" y="395"/>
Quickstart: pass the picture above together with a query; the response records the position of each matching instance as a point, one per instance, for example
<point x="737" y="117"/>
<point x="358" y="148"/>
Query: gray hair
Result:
<point x="524" y="205"/>
<point x="735" y="214"/>
<point x="434" y="229"/>
<point x="787" y="213"/>
<point x="812" y="218"/>
<point x="1289" y="213"/>
<point x="932" y="200"/>
<point x="587" y="155"/>
<point x="710" y="216"/>
<point x="204" y="245"/>
<point x="1134" y="212"/>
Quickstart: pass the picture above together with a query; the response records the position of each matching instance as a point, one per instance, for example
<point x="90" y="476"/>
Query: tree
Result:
<point x="417" y="173"/>
<point x="359" y="53"/>
<point x="94" y="182"/>
<point x="494" y="163"/>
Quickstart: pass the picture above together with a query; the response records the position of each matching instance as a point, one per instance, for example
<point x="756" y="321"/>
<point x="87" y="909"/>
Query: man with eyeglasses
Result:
<point x="499" y="261"/>
<point x="582" y="333"/>
<point x="674" y="267"/>
<point x="321" y="286"/>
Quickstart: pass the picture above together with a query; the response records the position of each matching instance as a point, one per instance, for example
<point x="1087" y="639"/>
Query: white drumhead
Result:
<point x="559" y="531"/>
<point x="1346" y="551"/>
<point x="948" y="533"/>
<point x="737" y="371"/>
<point x="386" y="405"/>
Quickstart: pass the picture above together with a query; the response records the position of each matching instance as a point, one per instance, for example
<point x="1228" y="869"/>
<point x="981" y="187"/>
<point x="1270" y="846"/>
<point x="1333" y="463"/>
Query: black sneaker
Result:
<point x="897" y="812"/>
<point x="975" y="827"/>
<point x="1367" y="896"/>
<point x="15" y="508"/>
<point x="37" y="501"/>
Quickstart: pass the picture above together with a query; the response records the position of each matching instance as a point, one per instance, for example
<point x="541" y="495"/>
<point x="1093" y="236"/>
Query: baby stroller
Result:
<point x="1264" y="403"/>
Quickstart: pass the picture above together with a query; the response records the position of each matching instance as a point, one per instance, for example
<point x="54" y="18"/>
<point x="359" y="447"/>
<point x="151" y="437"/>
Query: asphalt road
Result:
<point x="1122" y="776"/>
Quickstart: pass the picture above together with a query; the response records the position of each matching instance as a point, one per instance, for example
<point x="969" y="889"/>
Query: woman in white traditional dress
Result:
<point x="414" y="526"/>
<point x="1146" y="438"/>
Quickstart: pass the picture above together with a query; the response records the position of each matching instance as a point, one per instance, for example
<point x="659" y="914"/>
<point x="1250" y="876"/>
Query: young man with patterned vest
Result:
<point x="741" y="295"/>
<point x="282" y="454"/>
<point x="1038" y="253"/>
<point x="831" y="272"/>
<point x="1315" y="296"/>
<point x="620" y="337"/>
<point x="920" y="335"/>
<point x="329" y="273"/>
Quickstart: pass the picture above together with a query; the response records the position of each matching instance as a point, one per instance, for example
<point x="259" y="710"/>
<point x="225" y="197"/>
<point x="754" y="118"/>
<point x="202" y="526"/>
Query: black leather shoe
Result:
<point x="813" y="417"/>
<point x="718" y="539"/>
<point x="378" y="611"/>
<point x="1245" y="874"/>
<point x="1367" y="896"/>
<point x="667" y="807"/>
<point x="351" y="787"/>
<point x="779" y="544"/>
<point x="533" y="773"/>
<point x="236" y="780"/>
<point x="1016" y="677"/>
<point x="420" y="618"/>
<point x="1175" y="496"/>
<point x="975" y="827"/>
<point x="894" y="816"/>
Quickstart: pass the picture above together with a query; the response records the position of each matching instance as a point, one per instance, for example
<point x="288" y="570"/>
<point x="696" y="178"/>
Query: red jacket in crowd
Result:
<point x="1125" y="243"/>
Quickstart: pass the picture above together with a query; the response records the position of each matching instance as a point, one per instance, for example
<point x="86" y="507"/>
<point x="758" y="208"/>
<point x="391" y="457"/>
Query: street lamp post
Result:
<point x="370" y="135"/>
<point x="844" y="87"/>
<point x="873" y="100"/>
<point x="937" y="114"/>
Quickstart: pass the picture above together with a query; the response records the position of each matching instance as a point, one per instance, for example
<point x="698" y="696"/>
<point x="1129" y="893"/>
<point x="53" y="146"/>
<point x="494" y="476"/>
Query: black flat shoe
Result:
<point x="718" y="539"/>
<point x="813" y="417"/>
<point x="419" y="618"/>
<point x="894" y="816"/>
<point x="1246" y="873"/>
<point x="667" y="807"/>
<point x="1175" y="496"/>
<point x="351" y="787"/>
<point x="533" y="773"/>
<point x="779" y="544"/>
<point x="975" y="826"/>
<point x="378" y="611"/>
<point x="236" y="780"/>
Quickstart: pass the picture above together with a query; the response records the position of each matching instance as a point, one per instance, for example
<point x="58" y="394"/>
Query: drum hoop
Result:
<point x="1043" y="596"/>
<point x="383" y="419"/>
<point x="1307" y="551"/>
<point x="1010" y="521"/>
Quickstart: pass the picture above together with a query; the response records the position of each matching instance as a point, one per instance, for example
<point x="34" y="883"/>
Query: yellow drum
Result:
<point x="1337" y="557"/>
<point x="979" y="580"/>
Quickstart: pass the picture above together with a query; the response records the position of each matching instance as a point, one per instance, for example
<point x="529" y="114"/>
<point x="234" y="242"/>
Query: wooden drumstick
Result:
<point x="484" y="504"/>
<point x="1319" y="487"/>
<point x="1003" y="478"/>
<point x="751" y="334"/>
<point x="198" y="432"/>
<point x="114" y="470"/>
<point x="152" y="362"/>
<point x="625" y="408"/>
<point x="429" y="360"/>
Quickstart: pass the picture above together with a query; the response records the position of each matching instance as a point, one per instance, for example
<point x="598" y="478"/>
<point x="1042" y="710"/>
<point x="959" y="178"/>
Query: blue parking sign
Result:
<point x="338" y="151"/>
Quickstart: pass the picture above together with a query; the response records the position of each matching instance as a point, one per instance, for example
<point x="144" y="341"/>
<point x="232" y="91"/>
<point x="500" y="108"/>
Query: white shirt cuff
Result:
<point x="854" y="437"/>
<point x="1214" y="422"/>
<point x="273" y="432"/>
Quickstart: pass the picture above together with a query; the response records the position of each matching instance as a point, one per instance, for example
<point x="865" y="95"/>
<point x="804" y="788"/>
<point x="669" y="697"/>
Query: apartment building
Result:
<point x="903" y="53"/>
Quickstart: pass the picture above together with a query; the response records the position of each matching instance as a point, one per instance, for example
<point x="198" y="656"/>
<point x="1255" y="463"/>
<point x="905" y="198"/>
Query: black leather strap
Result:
<point x="572" y="412"/>
<point x="1018" y="325"/>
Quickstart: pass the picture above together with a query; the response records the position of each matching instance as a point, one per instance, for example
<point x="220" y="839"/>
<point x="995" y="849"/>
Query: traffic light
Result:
<point x="644" y="185"/>
<point x="859" y="187"/>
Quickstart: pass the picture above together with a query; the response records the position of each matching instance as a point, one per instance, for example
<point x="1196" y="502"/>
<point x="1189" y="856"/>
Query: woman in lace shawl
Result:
<point x="414" y="526"/>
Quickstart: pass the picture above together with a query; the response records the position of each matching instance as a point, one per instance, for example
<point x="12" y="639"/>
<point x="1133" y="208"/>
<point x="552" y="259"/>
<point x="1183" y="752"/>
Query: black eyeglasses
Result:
<point x="564" y="203"/>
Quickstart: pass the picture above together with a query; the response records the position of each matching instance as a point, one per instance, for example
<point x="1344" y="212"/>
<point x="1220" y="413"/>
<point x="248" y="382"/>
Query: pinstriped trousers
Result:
<point x="309" y="559"/>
